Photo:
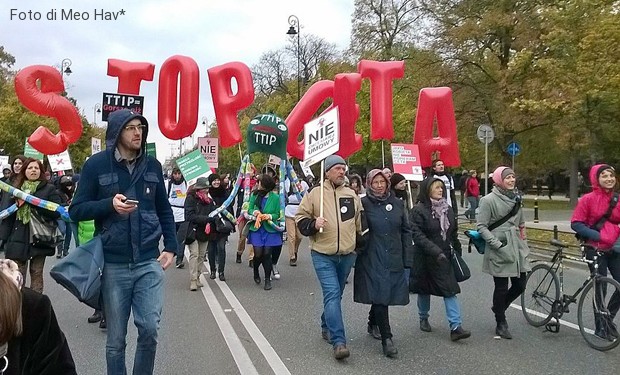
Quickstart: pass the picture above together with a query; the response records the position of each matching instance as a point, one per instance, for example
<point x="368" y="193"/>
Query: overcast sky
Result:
<point x="211" y="32"/>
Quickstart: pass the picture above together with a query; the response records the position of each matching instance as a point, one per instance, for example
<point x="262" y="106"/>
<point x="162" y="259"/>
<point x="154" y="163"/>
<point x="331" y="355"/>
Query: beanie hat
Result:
<point x="10" y="269"/>
<point x="602" y="168"/>
<point x="396" y="178"/>
<point x="212" y="177"/>
<point x="202" y="183"/>
<point x="333" y="160"/>
<point x="500" y="174"/>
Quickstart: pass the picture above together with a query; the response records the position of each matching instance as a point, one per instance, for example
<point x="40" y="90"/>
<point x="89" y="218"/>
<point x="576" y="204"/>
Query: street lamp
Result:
<point x="65" y="67"/>
<point x="206" y="124"/>
<point x="295" y="29"/>
<point x="96" y="109"/>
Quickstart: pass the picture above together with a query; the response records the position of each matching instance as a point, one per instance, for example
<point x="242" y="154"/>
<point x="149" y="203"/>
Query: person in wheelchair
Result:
<point x="595" y="222"/>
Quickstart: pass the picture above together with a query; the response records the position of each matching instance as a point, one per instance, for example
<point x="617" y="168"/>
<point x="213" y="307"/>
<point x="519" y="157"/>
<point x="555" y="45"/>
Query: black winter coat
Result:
<point x="197" y="213"/>
<point x="42" y="348"/>
<point x="18" y="245"/>
<point x="428" y="275"/>
<point x="380" y="267"/>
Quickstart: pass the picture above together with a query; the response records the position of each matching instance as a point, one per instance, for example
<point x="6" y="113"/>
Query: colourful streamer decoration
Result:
<point x="35" y="201"/>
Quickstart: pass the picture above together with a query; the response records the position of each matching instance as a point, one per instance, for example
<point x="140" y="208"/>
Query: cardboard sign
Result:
<point x="306" y="170"/>
<point x="60" y="162"/>
<point x="321" y="137"/>
<point x="193" y="165"/>
<point x="30" y="152"/>
<point x="406" y="161"/>
<point x="209" y="148"/>
<point x="274" y="160"/>
<point x="95" y="145"/>
<point x="114" y="102"/>
<point x="4" y="160"/>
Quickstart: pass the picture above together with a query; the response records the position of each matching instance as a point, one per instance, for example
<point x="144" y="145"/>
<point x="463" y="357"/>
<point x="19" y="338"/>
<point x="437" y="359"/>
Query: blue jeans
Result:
<point x="453" y="310"/>
<point x="473" y="205"/>
<point x="332" y="272"/>
<point x="137" y="288"/>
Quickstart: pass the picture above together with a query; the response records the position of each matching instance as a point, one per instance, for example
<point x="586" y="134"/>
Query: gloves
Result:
<point x="442" y="258"/>
<point x="260" y="218"/>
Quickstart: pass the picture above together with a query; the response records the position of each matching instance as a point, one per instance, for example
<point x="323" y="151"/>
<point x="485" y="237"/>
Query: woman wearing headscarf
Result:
<point x="216" y="251"/>
<point x="197" y="208"/>
<point x="506" y="254"/>
<point x="355" y="183"/>
<point x="264" y="204"/>
<point x="20" y="246"/>
<point x="435" y="236"/>
<point x="380" y="279"/>
<point x="31" y="341"/>
<point x="399" y="188"/>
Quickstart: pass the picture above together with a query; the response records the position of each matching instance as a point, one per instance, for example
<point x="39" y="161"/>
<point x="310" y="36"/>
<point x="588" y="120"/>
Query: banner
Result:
<point x="30" y="152"/>
<point x="114" y="102"/>
<point x="151" y="149"/>
<point x="60" y="162"/>
<point x="321" y="137"/>
<point x="406" y="161"/>
<point x="95" y="145"/>
<point x="193" y="165"/>
<point x="209" y="148"/>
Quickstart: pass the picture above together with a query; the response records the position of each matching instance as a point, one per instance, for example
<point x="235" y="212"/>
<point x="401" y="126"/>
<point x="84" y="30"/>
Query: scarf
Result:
<point x="372" y="192"/>
<point x="439" y="209"/>
<point x="203" y="196"/>
<point x="512" y="194"/>
<point x="23" y="213"/>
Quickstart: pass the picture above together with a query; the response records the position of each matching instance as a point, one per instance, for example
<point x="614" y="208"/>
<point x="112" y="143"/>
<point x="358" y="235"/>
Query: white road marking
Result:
<point x="564" y="322"/>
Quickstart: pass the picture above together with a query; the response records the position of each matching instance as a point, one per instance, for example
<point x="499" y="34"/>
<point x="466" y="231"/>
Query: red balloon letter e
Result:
<point x="47" y="101"/>
<point x="437" y="103"/>
<point x="227" y="104"/>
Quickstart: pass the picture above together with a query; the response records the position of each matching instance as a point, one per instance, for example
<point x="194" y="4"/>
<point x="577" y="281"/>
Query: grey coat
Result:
<point x="506" y="253"/>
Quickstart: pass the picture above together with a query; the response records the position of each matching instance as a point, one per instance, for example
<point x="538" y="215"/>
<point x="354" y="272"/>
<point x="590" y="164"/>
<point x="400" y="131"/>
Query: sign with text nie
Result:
<point x="406" y="161"/>
<point x="193" y="165"/>
<point x="321" y="137"/>
<point x="95" y="145"/>
<point x="209" y="148"/>
<point x="114" y="102"/>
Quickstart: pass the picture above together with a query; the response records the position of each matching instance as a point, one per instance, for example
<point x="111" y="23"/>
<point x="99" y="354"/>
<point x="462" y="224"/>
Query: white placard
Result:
<point x="321" y="137"/>
<point x="95" y="145"/>
<point x="274" y="160"/>
<point x="60" y="162"/>
<point x="307" y="171"/>
<point x="4" y="160"/>
<point x="209" y="148"/>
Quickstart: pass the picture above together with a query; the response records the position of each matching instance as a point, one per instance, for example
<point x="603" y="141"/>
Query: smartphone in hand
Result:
<point x="131" y="201"/>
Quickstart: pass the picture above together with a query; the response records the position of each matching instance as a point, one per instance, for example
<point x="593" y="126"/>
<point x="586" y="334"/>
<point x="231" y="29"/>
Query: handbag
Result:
<point x="476" y="240"/>
<point x="186" y="233"/>
<point x="460" y="268"/>
<point x="223" y="225"/>
<point x="80" y="272"/>
<point x="44" y="233"/>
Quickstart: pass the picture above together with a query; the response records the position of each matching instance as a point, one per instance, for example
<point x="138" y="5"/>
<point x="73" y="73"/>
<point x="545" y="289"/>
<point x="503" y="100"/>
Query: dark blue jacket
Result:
<point x="126" y="238"/>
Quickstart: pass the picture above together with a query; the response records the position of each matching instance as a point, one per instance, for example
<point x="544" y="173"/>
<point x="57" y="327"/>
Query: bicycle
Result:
<point x="544" y="298"/>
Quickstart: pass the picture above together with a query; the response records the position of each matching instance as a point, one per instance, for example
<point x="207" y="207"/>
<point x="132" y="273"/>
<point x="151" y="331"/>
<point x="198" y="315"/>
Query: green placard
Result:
<point x="193" y="165"/>
<point x="30" y="152"/>
<point x="151" y="149"/>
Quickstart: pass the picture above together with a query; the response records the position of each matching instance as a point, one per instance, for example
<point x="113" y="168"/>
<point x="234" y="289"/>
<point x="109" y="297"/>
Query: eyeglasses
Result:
<point x="379" y="182"/>
<point x="133" y="128"/>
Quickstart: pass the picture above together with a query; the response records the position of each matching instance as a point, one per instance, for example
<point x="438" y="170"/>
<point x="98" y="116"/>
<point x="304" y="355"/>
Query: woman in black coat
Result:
<point x="19" y="246"/>
<point x="434" y="236"/>
<point x="380" y="279"/>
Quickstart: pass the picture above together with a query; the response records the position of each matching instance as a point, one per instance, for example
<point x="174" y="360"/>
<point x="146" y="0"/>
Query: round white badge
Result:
<point x="388" y="207"/>
<point x="344" y="209"/>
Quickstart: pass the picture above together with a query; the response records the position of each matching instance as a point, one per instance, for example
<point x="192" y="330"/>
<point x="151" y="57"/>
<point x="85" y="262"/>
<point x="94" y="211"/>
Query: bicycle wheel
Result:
<point x="597" y="310"/>
<point x="542" y="289"/>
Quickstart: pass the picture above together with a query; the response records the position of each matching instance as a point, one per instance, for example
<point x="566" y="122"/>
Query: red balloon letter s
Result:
<point x="47" y="101"/>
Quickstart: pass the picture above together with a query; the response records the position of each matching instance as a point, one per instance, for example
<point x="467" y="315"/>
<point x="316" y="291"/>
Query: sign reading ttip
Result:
<point x="114" y="102"/>
<point x="406" y="161"/>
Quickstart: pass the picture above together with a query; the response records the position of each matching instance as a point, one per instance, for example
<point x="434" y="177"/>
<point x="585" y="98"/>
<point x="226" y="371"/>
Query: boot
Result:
<point x="341" y="352"/>
<point x="222" y="277"/>
<point x="212" y="275"/>
<point x="389" y="350"/>
<point x="192" y="285"/>
<point x="95" y="317"/>
<point x="602" y="327"/>
<point x="373" y="330"/>
<point x="459" y="333"/>
<point x="238" y="260"/>
<point x="425" y="325"/>
<point x="502" y="330"/>
<point x="102" y="324"/>
<point x="267" y="284"/>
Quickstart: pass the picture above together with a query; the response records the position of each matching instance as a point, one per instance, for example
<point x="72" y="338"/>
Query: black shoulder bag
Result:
<point x="474" y="236"/>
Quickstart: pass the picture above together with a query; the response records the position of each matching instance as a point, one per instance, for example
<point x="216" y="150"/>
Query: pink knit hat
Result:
<point x="500" y="174"/>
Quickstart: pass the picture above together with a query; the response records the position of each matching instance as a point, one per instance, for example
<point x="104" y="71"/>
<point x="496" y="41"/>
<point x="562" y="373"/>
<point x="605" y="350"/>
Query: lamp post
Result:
<point x="295" y="29"/>
<point x="96" y="109"/>
<point x="206" y="124"/>
<point x="65" y="67"/>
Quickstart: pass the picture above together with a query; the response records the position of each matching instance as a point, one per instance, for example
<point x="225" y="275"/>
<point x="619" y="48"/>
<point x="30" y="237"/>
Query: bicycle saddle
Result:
<point x="558" y="243"/>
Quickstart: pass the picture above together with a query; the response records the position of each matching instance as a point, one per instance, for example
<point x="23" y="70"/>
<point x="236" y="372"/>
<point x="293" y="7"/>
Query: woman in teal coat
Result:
<point x="264" y="204"/>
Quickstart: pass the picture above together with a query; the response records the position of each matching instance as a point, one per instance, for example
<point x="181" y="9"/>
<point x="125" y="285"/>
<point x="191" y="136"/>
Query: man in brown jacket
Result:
<point x="332" y="250"/>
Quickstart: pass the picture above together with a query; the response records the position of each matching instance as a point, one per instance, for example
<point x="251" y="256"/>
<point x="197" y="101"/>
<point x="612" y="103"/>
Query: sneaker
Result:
<point x="389" y="350"/>
<point x="373" y="330"/>
<point x="192" y="285"/>
<point x="459" y="333"/>
<point x="425" y="325"/>
<point x="238" y="260"/>
<point x="292" y="262"/>
<point x="276" y="273"/>
<point x="341" y="352"/>
<point x="502" y="330"/>
<point x="180" y="265"/>
<point x="95" y="317"/>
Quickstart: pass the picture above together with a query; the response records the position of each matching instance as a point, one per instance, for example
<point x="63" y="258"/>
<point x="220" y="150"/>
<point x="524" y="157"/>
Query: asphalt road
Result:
<point x="238" y="328"/>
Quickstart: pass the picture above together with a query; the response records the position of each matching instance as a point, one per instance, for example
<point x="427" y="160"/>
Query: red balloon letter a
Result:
<point x="436" y="103"/>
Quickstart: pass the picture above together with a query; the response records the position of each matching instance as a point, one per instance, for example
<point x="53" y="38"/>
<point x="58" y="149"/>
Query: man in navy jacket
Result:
<point x="122" y="189"/>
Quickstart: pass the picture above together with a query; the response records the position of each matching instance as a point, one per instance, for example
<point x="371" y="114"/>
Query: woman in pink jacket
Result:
<point x="586" y="222"/>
